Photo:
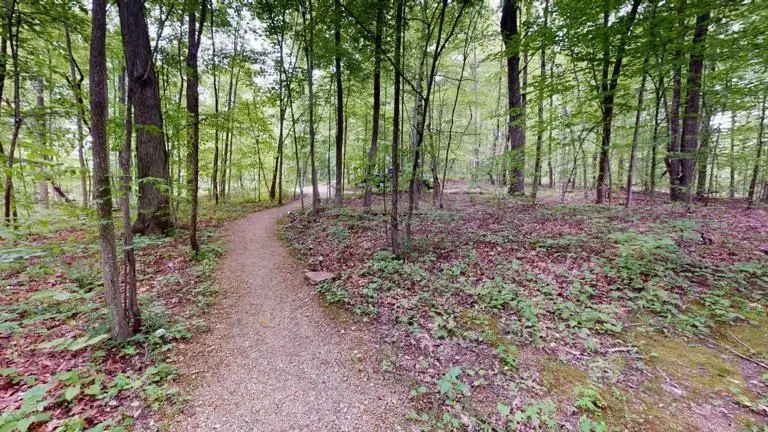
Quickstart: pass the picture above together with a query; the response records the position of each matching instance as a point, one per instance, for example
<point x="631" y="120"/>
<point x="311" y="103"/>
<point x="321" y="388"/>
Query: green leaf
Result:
<point x="503" y="409"/>
<point x="71" y="392"/>
<point x="58" y="344"/>
<point x="86" y="342"/>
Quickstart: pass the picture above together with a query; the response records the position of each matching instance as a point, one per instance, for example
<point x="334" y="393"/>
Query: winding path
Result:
<point x="274" y="360"/>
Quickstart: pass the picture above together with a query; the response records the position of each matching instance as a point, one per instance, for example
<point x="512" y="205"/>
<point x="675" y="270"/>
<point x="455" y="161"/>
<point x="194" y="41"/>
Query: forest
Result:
<point x="508" y="215"/>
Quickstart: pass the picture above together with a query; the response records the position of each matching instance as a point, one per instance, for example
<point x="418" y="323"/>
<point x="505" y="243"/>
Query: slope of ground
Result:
<point x="510" y="315"/>
<point x="58" y="369"/>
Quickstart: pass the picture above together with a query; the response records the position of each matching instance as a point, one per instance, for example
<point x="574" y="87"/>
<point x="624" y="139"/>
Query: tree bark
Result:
<point x="130" y="295"/>
<point x="154" y="216"/>
<point x="309" y="42"/>
<point x="636" y="133"/>
<point x="394" y="228"/>
<point x="339" y="109"/>
<point x="540" y="122"/>
<point x="515" y="128"/>
<point x="102" y="191"/>
<point x="689" y="143"/>
<point x="607" y="96"/>
<point x="758" y="158"/>
<point x="194" y="36"/>
<point x="214" y="69"/>
<point x="13" y="24"/>
<point x="371" y="161"/>
<point x="76" y="78"/>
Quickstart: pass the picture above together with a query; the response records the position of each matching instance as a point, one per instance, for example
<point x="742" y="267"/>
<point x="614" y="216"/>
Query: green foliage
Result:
<point x="643" y="256"/>
<point x="333" y="293"/>
<point x="451" y="386"/>
<point x="588" y="399"/>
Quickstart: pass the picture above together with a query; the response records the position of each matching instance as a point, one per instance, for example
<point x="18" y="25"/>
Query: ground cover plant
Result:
<point x="60" y="371"/>
<point x="511" y="316"/>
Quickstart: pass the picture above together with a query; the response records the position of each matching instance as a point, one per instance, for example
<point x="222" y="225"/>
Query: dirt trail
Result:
<point x="274" y="360"/>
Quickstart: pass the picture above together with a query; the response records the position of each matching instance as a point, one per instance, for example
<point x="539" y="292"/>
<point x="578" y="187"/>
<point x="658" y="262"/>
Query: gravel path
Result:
<point x="274" y="360"/>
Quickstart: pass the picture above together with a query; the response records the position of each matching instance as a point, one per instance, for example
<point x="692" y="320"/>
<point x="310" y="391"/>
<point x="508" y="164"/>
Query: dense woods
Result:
<point x="158" y="108"/>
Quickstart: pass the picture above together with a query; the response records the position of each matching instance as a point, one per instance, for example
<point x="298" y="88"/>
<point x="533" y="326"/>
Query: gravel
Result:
<point x="274" y="360"/>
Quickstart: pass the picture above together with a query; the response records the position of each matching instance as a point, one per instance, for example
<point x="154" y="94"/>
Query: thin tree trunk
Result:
<point x="607" y="97"/>
<point x="371" y="161"/>
<point x="758" y="158"/>
<point x="732" y="158"/>
<point x="339" y="109"/>
<point x="194" y="36"/>
<point x="309" y="43"/>
<point x="13" y="23"/>
<point x="76" y="78"/>
<point x="540" y="122"/>
<point x="214" y="69"/>
<point x="550" y="126"/>
<point x="464" y="57"/>
<point x="655" y="144"/>
<point x="394" y="228"/>
<point x="100" y="147"/>
<point x="43" y="131"/>
<point x="130" y="295"/>
<point x="636" y="133"/>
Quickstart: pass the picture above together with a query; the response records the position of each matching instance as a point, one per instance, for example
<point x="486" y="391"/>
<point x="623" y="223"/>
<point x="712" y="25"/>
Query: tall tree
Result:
<point x="308" y="17"/>
<point x="101" y="178"/>
<point x="689" y="143"/>
<point x="131" y="302"/>
<point x="758" y="156"/>
<point x="609" y="81"/>
<point x="12" y="29"/>
<point x="540" y="122"/>
<point x="515" y="128"/>
<point x="373" y="150"/>
<point x="194" y="37"/>
<point x="154" y="212"/>
<point x="76" y="78"/>
<point x="394" y="222"/>
<point x="339" y="106"/>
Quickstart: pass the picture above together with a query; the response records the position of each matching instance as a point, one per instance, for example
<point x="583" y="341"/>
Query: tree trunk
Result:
<point x="758" y="158"/>
<point x="515" y="131"/>
<point x="194" y="36"/>
<point x="673" y="148"/>
<point x="394" y="232"/>
<point x="655" y="144"/>
<point x="76" y="78"/>
<point x="214" y="68"/>
<point x="154" y="216"/>
<point x="540" y="122"/>
<point x="607" y="97"/>
<point x="689" y="142"/>
<point x="13" y="23"/>
<point x="102" y="191"/>
<point x="371" y="162"/>
<point x="636" y="133"/>
<point x="732" y="158"/>
<point x="309" y="42"/>
<point x="42" y="130"/>
<point x="550" y="127"/>
<point x="281" y="119"/>
<point x="339" y="109"/>
<point x="130" y="295"/>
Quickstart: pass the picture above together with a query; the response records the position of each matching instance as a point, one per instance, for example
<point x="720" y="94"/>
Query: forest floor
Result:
<point x="58" y="369"/>
<point x="504" y="315"/>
